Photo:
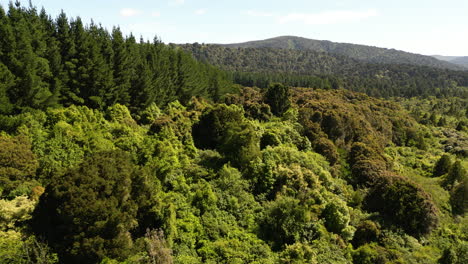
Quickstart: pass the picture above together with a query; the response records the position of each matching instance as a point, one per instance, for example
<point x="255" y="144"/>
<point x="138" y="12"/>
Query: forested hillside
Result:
<point x="259" y="66"/>
<point x="171" y="163"/>
<point x="360" y="52"/>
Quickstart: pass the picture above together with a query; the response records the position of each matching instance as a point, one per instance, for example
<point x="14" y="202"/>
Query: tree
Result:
<point x="456" y="175"/>
<point x="122" y="70"/>
<point x="277" y="96"/>
<point x="442" y="166"/>
<point x="406" y="205"/>
<point x="87" y="213"/>
<point x="459" y="198"/>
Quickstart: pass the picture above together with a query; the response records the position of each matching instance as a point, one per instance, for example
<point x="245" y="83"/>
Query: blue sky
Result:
<point x="420" y="26"/>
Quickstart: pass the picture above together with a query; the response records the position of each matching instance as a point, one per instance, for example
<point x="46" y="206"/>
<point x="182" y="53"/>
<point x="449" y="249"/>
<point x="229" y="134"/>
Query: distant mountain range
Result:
<point x="360" y="52"/>
<point x="460" y="60"/>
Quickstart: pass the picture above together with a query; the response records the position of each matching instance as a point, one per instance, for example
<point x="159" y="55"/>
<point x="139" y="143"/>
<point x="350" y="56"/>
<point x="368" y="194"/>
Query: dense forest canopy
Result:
<point x="118" y="151"/>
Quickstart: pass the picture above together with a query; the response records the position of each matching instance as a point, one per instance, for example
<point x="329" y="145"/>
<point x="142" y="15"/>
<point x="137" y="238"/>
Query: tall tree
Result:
<point x="121" y="70"/>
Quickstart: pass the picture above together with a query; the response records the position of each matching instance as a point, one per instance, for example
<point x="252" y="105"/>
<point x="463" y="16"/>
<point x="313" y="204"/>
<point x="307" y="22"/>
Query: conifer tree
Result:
<point x="121" y="70"/>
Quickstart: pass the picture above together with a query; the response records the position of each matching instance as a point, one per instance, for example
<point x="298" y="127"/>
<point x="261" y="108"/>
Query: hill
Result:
<point x="293" y="67"/>
<point x="459" y="60"/>
<point x="359" y="52"/>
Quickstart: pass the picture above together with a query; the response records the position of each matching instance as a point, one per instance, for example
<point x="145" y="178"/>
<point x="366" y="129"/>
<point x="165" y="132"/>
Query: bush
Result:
<point x="87" y="213"/>
<point x="336" y="216"/>
<point x="18" y="166"/>
<point x="442" y="166"/>
<point x="366" y="232"/>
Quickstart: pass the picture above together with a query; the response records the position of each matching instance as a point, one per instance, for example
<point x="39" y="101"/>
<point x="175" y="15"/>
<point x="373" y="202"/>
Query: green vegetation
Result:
<point x="177" y="165"/>
<point x="359" y="52"/>
<point x="47" y="63"/>
<point x="308" y="68"/>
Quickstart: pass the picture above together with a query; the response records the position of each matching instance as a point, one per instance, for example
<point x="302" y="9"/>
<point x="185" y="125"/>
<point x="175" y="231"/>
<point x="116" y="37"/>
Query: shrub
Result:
<point x="442" y="166"/>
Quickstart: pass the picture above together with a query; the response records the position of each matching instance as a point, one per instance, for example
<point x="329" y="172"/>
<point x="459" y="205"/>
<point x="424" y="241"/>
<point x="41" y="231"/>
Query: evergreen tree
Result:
<point x="31" y="88"/>
<point x="122" y="70"/>
<point x="277" y="96"/>
<point x="68" y="61"/>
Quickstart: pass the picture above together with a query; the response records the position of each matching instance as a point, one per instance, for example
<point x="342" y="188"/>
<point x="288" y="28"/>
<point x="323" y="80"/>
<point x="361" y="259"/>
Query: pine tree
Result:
<point x="121" y="70"/>
<point x="31" y="89"/>
<point x="68" y="62"/>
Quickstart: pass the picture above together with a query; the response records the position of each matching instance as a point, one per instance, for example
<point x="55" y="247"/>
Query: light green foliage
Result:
<point x="286" y="166"/>
<point x="336" y="216"/>
<point x="15" y="212"/>
<point x="11" y="247"/>
<point x="298" y="253"/>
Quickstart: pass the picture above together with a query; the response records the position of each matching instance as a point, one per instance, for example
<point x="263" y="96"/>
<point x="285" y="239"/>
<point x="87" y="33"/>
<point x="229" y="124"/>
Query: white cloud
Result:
<point x="328" y="17"/>
<point x="156" y="14"/>
<point x="177" y="2"/>
<point x="255" y="13"/>
<point x="201" y="11"/>
<point x="129" y="12"/>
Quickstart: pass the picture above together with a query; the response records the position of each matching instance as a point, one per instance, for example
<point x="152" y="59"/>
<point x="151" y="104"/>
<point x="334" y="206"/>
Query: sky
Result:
<point x="427" y="27"/>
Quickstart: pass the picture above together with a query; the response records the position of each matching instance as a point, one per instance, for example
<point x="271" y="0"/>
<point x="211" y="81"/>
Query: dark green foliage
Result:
<point x="284" y="222"/>
<point x="277" y="97"/>
<point x="366" y="232"/>
<point x="224" y="128"/>
<point x="87" y="213"/>
<point x="442" y="166"/>
<point x="402" y="203"/>
<point x="456" y="174"/>
<point x="461" y="126"/>
<point x="327" y="149"/>
<point x="459" y="198"/>
<point x="45" y="62"/>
